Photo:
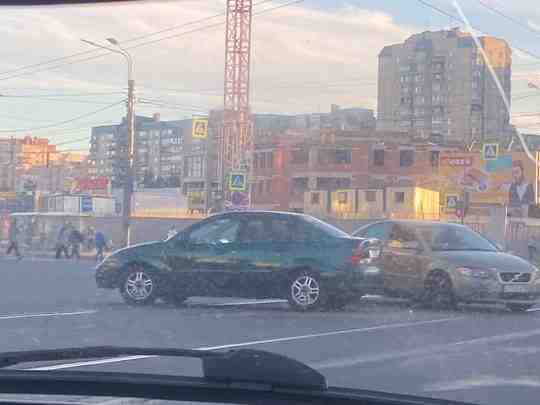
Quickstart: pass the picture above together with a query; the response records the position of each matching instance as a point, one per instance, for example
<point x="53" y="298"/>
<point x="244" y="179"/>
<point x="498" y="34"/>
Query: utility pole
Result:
<point x="128" y="187"/>
<point x="49" y="170"/>
<point x="12" y="162"/>
<point x="130" y="147"/>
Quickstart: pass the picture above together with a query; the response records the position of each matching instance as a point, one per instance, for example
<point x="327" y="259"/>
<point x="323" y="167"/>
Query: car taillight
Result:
<point x="365" y="252"/>
<point x="358" y="254"/>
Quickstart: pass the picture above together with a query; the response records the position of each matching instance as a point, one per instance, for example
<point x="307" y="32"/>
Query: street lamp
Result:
<point x="128" y="185"/>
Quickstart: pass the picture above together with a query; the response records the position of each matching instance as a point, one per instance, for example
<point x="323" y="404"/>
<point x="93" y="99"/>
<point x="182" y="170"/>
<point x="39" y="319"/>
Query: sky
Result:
<point x="306" y="55"/>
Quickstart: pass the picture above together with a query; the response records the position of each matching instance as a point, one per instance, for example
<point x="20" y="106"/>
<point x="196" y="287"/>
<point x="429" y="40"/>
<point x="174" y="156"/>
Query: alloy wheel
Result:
<point x="305" y="291"/>
<point x="139" y="285"/>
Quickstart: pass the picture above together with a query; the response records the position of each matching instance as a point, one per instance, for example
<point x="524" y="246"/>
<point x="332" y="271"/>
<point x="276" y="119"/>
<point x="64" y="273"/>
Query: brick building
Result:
<point x="328" y="161"/>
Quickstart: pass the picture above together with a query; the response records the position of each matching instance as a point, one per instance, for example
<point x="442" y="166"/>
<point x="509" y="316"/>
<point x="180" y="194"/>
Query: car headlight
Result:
<point x="475" y="273"/>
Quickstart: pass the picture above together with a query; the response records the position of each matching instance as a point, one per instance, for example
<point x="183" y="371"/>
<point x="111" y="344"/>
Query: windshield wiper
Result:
<point x="245" y="365"/>
<point x="242" y="376"/>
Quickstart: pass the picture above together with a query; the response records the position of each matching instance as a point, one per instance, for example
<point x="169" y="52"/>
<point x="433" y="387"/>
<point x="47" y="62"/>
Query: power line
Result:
<point x="89" y="94"/>
<point x="65" y="100"/>
<point x="60" y="123"/>
<point x="458" y="19"/>
<point x="509" y="18"/>
<point x="72" y="141"/>
<point x="133" y="39"/>
<point x="98" y="54"/>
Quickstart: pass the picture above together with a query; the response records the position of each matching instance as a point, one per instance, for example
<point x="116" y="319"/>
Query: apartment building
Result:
<point x="338" y="118"/>
<point x="158" y="151"/>
<point x="437" y="85"/>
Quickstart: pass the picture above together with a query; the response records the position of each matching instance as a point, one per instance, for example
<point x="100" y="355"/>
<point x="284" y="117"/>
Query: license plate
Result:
<point x="516" y="288"/>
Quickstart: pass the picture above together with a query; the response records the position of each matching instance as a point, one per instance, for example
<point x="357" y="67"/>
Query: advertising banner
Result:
<point x="507" y="179"/>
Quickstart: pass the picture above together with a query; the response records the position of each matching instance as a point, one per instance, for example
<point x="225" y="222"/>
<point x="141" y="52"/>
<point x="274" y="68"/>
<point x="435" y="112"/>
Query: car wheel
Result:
<point x="438" y="291"/>
<point x="139" y="286"/>
<point x="519" y="307"/>
<point x="304" y="291"/>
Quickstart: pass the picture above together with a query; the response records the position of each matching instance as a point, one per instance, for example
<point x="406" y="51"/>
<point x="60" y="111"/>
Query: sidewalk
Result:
<point x="51" y="254"/>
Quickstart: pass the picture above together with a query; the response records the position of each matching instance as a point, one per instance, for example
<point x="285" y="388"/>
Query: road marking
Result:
<point x="254" y="343"/>
<point x="484" y="382"/>
<point x="237" y="303"/>
<point x="46" y="315"/>
<point x="89" y="363"/>
<point x="422" y="352"/>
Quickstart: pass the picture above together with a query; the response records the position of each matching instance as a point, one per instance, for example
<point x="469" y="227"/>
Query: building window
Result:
<point x="299" y="157"/>
<point x="406" y="158"/>
<point x="343" y="156"/>
<point x="434" y="158"/>
<point x="343" y="183"/>
<point x="370" y="196"/>
<point x="299" y="184"/>
<point x="399" y="197"/>
<point x="378" y="157"/>
<point x="262" y="160"/>
<point x="193" y="166"/>
<point x="270" y="160"/>
<point x="333" y="183"/>
<point x="315" y="198"/>
<point x="268" y="186"/>
<point x="342" y="197"/>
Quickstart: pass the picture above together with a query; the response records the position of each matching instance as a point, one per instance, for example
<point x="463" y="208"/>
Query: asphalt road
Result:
<point x="478" y="354"/>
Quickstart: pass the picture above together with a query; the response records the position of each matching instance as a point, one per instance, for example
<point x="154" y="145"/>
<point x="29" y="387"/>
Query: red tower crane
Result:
<point x="235" y="139"/>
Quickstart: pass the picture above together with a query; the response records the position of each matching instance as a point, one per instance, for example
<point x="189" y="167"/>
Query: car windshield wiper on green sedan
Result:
<point x="235" y="376"/>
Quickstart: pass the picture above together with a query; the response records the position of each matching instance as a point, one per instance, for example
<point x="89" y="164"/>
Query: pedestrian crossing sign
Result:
<point x="237" y="182"/>
<point x="490" y="151"/>
<point x="200" y="128"/>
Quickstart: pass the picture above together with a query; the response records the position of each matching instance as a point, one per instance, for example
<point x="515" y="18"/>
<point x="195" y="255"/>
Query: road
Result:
<point x="478" y="354"/>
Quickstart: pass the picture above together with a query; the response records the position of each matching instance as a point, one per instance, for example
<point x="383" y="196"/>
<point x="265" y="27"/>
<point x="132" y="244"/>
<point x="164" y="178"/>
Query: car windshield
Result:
<point x="351" y="183"/>
<point x="448" y="238"/>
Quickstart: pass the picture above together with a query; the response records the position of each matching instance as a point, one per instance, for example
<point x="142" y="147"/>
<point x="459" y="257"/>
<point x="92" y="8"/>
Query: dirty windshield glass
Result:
<point x="353" y="184"/>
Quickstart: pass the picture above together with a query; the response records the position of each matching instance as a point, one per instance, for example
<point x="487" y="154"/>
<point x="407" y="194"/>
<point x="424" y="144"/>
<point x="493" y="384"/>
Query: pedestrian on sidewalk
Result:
<point x="75" y="240"/>
<point x="62" y="240"/>
<point x="101" y="245"/>
<point x="13" y="239"/>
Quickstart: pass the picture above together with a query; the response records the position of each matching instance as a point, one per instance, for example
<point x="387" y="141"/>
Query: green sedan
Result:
<point x="248" y="254"/>
<point x="442" y="264"/>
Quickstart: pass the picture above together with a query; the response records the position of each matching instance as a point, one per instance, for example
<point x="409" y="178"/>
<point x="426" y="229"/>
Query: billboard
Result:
<point x="510" y="178"/>
<point x="89" y="184"/>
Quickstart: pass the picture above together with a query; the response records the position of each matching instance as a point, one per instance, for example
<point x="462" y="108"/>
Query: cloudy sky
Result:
<point x="306" y="55"/>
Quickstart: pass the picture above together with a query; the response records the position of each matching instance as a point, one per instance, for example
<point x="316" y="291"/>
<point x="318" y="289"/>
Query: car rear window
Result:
<point x="325" y="228"/>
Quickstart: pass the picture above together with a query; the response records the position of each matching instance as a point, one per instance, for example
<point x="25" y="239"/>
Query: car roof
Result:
<point x="261" y="212"/>
<point x="411" y="222"/>
<point x="423" y="223"/>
